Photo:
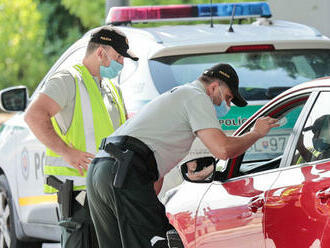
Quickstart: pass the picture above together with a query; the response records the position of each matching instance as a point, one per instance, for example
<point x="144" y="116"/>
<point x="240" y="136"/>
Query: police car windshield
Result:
<point x="262" y="74"/>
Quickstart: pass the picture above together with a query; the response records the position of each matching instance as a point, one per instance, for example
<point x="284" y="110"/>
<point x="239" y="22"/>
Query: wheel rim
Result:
<point x="4" y="220"/>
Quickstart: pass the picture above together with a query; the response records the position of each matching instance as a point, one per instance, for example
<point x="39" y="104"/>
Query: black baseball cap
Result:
<point x="227" y="74"/>
<point x="114" y="38"/>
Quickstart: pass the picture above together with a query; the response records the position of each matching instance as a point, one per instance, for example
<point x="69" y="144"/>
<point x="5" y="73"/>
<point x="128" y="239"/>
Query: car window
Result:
<point x="314" y="140"/>
<point x="263" y="75"/>
<point x="267" y="152"/>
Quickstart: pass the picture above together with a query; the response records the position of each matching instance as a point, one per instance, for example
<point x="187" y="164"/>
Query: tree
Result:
<point x="62" y="28"/>
<point x="21" y="42"/>
<point x="91" y="13"/>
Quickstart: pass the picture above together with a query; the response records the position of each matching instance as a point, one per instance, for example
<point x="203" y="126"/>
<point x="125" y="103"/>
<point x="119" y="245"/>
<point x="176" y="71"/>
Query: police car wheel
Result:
<point x="8" y="237"/>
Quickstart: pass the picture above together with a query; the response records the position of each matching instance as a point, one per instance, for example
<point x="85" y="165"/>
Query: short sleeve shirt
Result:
<point x="61" y="88"/>
<point x="169" y="123"/>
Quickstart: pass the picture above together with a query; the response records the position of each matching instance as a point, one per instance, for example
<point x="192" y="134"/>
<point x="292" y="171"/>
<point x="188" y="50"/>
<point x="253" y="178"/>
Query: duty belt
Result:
<point x="123" y="147"/>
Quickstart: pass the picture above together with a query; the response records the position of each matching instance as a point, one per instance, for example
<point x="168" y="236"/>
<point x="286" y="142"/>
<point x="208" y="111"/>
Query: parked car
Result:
<point x="269" y="56"/>
<point x="278" y="199"/>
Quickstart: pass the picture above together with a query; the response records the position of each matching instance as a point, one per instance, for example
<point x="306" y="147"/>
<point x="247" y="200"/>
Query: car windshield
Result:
<point x="263" y="74"/>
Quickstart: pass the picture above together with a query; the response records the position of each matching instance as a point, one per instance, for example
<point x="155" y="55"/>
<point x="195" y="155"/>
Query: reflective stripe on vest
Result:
<point x="118" y="100"/>
<point x="85" y="133"/>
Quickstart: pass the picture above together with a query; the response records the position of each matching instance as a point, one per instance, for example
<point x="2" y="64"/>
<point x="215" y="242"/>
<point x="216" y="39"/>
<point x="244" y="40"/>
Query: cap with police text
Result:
<point x="226" y="73"/>
<point x="115" y="39"/>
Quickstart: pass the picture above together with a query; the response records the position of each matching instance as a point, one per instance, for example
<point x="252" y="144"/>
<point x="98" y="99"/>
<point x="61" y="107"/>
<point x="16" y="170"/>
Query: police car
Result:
<point x="268" y="55"/>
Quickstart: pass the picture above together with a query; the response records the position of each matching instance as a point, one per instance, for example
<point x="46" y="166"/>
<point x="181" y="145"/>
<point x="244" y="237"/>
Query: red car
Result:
<point x="274" y="195"/>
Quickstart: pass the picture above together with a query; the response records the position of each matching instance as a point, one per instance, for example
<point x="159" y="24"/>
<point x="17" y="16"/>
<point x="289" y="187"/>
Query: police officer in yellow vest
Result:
<point x="76" y="108"/>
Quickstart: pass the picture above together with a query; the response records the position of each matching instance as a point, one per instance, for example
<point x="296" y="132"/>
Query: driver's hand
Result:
<point x="198" y="175"/>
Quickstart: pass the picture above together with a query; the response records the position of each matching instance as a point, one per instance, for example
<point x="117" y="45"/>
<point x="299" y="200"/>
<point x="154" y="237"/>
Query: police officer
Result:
<point x="76" y="108"/>
<point x="159" y="136"/>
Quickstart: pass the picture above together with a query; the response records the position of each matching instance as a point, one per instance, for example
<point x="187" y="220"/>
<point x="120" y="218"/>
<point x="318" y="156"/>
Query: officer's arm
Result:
<point x="225" y="147"/>
<point x="38" y="117"/>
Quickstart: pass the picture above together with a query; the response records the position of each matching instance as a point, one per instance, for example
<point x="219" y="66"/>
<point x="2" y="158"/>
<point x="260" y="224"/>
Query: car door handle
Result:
<point x="324" y="195"/>
<point x="255" y="204"/>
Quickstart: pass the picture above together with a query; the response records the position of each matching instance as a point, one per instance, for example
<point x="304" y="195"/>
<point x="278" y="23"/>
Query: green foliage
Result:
<point x="91" y="13"/>
<point x="21" y="42"/>
<point x="62" y="29"/>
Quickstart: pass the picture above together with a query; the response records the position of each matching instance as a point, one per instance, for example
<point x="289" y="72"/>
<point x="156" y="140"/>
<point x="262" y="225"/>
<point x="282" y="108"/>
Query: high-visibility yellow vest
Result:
<point x="90" y="124"/>
<point x="315" y="155"/>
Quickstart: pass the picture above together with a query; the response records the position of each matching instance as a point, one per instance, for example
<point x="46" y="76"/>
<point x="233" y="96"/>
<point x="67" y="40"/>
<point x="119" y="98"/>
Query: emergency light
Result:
<point x="124" y="15"/>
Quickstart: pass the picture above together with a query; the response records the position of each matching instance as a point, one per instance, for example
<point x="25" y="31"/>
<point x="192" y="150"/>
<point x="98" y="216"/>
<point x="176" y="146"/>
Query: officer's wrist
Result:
<point x="256" y="134"/>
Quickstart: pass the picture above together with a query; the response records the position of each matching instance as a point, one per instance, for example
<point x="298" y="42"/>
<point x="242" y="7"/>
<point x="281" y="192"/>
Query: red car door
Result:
<point x="231" y="213"/>
<point x="297" y="207"/>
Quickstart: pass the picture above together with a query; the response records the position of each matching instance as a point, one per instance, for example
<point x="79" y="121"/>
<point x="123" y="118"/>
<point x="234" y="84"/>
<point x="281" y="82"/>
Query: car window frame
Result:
<point x="232" y="164"/>
<point x="302" y="123"/>
<point x="297" y="129"/>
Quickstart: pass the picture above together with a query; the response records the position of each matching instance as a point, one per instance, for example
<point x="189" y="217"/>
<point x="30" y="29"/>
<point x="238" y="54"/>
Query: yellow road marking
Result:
<point x="32" y="200"/>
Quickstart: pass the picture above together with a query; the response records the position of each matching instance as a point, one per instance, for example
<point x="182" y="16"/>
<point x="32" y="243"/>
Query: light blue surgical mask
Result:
<point x="222" y="109"/>
<point x="112" y="70"/>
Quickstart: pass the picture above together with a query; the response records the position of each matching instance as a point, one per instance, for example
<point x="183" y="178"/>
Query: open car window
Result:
<point x="266" y="153"/>
<point x="314" y="139"/>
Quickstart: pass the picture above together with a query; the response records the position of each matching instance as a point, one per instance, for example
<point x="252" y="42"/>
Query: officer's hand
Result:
<point x="263" y="125"/>
<point x="78" y="159"/>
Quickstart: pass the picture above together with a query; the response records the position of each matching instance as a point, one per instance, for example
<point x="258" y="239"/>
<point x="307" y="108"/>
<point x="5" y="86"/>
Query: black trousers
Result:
<point x="128" y="217"/>
<point x="78" y="231"/>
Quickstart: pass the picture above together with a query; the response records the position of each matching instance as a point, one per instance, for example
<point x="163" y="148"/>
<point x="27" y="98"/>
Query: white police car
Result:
<point x="269" y="56"/>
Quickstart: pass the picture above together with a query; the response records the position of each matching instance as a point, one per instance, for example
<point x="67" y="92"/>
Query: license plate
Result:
<point x="269" y="144"/>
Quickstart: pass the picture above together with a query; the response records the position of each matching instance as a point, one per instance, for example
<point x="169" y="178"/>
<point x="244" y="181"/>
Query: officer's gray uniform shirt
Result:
<point x="61" y="88"/>
<point x="169" y="123"/>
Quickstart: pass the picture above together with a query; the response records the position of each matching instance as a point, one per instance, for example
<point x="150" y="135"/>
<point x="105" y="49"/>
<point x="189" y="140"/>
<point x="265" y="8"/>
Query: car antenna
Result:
<point x="230" y="29"/>
<point x="211" y="14"/>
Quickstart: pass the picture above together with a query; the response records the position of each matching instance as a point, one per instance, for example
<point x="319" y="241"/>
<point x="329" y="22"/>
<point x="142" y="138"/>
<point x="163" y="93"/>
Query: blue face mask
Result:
<point x="222" y="110"/>
<point x="112" y="70"/>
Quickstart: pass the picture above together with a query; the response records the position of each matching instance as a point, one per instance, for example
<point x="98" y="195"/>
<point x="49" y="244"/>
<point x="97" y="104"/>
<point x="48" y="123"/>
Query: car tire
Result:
<point x="8" y="238"/>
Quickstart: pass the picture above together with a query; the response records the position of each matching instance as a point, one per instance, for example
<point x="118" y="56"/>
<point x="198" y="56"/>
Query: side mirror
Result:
<point x="14" y="99"/>
<point x="200" y="170"/>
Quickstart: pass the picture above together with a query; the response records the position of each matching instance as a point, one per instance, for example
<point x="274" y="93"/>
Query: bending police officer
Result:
<point x="76" y="108"/>
<point x="149" y="145"/>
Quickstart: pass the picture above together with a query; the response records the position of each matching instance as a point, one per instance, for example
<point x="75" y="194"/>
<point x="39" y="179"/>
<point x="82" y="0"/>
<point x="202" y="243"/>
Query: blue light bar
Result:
<point x="123" y="15"/>
<point x="242" y="9"/>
